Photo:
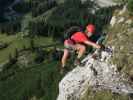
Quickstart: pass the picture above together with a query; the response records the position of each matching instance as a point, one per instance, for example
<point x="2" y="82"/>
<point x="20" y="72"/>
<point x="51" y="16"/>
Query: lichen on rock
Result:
<point x="98" y="74"/>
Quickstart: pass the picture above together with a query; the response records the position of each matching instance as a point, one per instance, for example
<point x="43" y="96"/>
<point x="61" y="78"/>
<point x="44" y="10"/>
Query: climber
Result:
<point x="78" y="42"/>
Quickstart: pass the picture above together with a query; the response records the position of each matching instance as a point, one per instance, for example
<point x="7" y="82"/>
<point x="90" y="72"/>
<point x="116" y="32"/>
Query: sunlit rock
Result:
<point x="99" y="74"/>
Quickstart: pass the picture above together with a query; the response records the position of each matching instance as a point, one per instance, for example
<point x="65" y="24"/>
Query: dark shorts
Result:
<point x="69" y="47"/>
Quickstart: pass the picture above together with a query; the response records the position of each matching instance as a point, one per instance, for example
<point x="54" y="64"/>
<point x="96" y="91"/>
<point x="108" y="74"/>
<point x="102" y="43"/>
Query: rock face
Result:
<point x="121" y="38"/>
<point x="98" y="74"/>
<point x="121" y="20"/>
<point x="102" y="3"/>
<point x="123" y="10"/>
<point x="105" y="3"/>
<point x="113" y="21"/>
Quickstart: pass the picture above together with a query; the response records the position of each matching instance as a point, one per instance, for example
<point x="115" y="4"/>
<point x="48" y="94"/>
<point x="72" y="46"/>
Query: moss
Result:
<point x="121" y="37"/>
<point x="16" y="41"/>
<point x="103" y="95"/>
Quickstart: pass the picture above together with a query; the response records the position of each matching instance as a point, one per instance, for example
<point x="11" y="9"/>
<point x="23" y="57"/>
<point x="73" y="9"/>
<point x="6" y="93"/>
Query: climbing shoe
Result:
<point x="62" y="70"/>
<point x="102" y="47"/>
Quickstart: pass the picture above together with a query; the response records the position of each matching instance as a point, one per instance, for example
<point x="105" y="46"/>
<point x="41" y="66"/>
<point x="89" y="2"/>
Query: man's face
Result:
<point x="89" y="34"/>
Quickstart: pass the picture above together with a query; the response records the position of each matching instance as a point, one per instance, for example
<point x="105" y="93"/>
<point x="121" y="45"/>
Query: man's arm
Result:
<point x="90" y="43"/>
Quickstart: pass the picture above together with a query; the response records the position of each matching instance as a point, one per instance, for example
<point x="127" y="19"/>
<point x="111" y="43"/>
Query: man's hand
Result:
<point x="102" y="47"/>
<point x="90" y="43"/>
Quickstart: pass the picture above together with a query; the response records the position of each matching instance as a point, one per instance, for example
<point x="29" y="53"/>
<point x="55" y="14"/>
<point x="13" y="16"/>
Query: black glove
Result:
<point x="107" y="49"/>
<point x="102" y="47"/>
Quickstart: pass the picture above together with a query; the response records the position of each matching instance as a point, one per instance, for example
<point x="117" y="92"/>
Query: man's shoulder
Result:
<point x="79" y="32"/>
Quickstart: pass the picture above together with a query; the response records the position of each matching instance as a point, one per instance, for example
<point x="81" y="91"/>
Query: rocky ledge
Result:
<point x="99" y="74"/>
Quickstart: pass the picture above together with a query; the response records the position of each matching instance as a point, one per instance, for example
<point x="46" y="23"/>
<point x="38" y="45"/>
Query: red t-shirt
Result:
<point x="79" y="37"/>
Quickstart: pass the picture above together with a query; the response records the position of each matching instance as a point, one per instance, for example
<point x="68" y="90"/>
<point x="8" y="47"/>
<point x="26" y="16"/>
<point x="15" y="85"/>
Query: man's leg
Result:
<point x="81" y="50"/>
<point x="64" y="57"/>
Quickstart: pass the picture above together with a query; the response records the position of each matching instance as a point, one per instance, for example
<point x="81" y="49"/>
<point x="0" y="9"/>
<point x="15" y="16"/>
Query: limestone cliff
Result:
<point x="111" y="71"/>
<point x="98" y="74"/>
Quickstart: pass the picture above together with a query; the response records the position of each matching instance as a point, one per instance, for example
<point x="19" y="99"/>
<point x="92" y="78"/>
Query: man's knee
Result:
<point x="80" y="47"/>
<point x="83" y="48"/>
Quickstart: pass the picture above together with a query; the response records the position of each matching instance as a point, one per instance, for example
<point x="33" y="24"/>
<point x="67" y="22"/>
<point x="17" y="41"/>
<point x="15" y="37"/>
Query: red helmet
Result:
<point x="90" y="28"/>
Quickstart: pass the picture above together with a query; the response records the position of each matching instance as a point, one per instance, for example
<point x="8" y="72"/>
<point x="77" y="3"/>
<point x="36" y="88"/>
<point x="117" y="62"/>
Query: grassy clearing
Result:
<point x="16" y="41"/>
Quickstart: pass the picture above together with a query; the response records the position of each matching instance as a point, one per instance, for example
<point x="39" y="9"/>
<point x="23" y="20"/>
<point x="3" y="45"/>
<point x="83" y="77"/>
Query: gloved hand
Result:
<point x="102" y="47"/>
<point x="107" y="49"/>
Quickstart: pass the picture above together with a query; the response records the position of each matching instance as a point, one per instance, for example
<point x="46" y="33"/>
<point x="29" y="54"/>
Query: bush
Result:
<point x="32" y="44"/>
<point x="40" y="55"/>
<point x="130" y="6"/>
<point x="40" y="81"/>
<point x="22" y="7"/>
<point x="40" y="7"/>
<point x="10" y="27"/>
<point x="56" y="20"/>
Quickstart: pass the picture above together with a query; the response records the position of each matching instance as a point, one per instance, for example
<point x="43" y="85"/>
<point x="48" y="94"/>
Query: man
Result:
<point x="78" y="42"/>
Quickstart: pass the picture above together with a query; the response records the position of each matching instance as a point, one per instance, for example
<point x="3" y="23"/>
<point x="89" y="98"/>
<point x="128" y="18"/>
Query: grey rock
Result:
<point x="129" y="21"/>
<point x="105" y="3"/>
<point x="121" y="20"/>
<point x="123" y="10"/>
<point x="102" y="3"/>
<point x="113" y="21"/>
<point x="75" y="84"/>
